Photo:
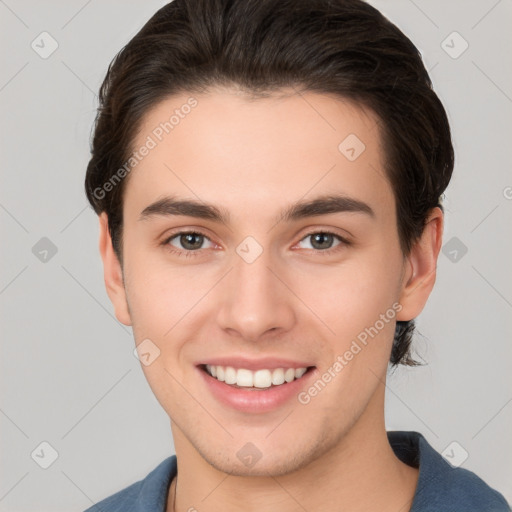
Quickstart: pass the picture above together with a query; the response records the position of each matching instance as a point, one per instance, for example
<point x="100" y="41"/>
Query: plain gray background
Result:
<point x="68" y="374"/>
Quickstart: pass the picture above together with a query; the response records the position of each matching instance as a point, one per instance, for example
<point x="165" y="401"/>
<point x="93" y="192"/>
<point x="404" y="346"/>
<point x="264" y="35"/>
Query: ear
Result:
<point x="113" y="273"/>
<point x="420" y="267"/>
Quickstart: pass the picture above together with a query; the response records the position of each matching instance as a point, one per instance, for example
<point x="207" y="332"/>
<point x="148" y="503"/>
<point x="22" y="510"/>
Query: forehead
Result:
<point x="251" y="153"/>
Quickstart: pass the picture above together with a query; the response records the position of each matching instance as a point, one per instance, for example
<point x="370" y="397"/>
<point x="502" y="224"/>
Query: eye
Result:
<point x="186" y="242"/>
<point x="323" y="241"/>
<point x="190" y="243"/>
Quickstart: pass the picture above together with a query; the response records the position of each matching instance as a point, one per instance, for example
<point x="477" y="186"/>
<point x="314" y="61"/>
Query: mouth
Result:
<point x="255" y="386"/>
<point x="257" y="380"/>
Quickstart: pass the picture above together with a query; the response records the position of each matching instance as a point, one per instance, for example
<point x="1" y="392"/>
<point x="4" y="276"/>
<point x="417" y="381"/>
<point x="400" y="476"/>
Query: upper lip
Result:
<point x="270" y="363"/>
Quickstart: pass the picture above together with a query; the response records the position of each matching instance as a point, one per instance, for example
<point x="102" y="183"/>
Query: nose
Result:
<point x="255" y="300"/>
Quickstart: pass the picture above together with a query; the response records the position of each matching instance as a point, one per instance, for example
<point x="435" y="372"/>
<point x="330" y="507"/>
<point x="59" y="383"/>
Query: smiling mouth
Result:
<point x="255" y="380"/>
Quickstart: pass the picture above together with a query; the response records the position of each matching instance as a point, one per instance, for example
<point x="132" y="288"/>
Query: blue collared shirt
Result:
<point x="440" y="488"/>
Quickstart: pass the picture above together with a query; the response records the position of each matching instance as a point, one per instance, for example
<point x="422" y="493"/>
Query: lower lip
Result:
<point x="253" y="400"/>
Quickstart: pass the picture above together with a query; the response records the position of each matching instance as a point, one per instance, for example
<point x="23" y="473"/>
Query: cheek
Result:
<point x="355" y="294"/>
<point x="160" y="295"/>
<point x="161" y="304"/>
<point x="359" y="305"/>
<point x="168" y="306"/>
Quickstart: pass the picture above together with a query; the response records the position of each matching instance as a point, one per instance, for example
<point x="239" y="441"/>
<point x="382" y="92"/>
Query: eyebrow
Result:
<point x="324" y="205"/>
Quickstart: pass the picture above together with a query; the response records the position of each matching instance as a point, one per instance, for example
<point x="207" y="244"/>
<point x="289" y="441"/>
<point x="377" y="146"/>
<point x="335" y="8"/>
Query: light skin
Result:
<point x="299" y="299"/>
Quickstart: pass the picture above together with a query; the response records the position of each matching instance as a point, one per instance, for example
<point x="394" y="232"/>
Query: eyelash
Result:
<point x="188" y="254"/>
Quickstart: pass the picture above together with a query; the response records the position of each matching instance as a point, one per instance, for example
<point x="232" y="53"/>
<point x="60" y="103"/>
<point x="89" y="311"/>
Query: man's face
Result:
<point x="262" y="285"/>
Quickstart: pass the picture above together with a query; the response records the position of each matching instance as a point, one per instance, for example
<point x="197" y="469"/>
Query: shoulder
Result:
<point x="149" y="493"/>
<point x="441" y="486"/>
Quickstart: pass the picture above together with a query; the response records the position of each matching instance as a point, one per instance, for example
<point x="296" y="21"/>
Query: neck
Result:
<point x="360" y="473"/>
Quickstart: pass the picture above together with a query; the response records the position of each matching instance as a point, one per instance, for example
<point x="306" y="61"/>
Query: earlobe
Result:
<point x="112" y="273"/>
<point x="420" y="268"/>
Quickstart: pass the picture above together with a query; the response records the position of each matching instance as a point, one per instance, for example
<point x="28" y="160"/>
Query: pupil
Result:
<point x="187" y="243"/>
<point x="321" y="238"/>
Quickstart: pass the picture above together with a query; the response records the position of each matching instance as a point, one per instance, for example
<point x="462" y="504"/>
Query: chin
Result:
<point x="251" y="461"/>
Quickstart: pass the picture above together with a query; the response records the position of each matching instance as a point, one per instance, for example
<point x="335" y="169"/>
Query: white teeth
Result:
<point x="278" y="376"/>
<point x="299" y="372"/>
<point x="258" y="379"/>
<point x="244" y="378"/>
<point x="262" y="379"/>
<point x="230" y="375"/>
<point x="289" y="375"/>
